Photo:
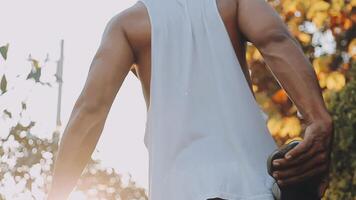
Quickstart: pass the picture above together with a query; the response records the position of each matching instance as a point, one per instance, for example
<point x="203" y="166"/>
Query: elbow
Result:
<point x="273" y="37"/>
<point x="89" y="113"/>
<point x="89" y="106"/>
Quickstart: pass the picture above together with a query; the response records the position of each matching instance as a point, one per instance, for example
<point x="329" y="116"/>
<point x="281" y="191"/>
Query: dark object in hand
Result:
<point x="305" y="190"/>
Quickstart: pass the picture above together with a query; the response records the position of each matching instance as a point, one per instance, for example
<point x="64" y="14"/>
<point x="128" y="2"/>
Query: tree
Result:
<point x="326" y="31"/>
<point x="26" y="163"/>
<point x="343" y="172"/>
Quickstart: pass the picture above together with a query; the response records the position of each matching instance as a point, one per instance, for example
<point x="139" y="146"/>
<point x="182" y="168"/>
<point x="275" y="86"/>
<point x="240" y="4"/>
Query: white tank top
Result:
<point x="205" y="134"/>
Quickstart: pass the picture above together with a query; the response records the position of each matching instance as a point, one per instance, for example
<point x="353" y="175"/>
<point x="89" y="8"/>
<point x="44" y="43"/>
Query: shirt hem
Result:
<point x="229" y="196"/>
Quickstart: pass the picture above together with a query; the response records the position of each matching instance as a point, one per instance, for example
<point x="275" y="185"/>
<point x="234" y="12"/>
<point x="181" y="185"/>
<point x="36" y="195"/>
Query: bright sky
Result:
<point x="36" y="27"/>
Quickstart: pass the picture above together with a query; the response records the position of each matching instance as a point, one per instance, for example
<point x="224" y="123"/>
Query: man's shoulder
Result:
<point x="133" y="21"/>
<point x="129" y="17"/>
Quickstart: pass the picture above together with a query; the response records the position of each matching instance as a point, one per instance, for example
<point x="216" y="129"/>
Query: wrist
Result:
<point x="316" y="116"/>
<point x="323" y="119"/>
<point x="325" y="123"/>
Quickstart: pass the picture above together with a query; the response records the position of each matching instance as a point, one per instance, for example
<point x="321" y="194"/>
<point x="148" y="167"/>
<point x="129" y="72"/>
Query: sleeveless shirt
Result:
<point x="205" y="133"/>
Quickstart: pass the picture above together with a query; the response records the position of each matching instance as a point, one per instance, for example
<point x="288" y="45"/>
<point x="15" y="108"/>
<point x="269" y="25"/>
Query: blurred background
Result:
<point x="46" y="48"/>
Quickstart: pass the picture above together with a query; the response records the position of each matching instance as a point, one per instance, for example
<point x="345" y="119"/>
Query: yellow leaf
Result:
<point x="318" y="12"/>
<point x="337" y="5"/>
<point x="321" y="64"/>
<point x="319" y="19"/>
<point x="290" y="6"/>
<point x="254" y="88"/>
<point x="335" y="81"/>
<point x="256" y="55"/>
<point x="35" y="63"/>
<point x="249" y="52"/>
<point x="304" y="38"/>
<point x="352" y="48"/>
<point x="291" y="127"/>
<point x="353" y="3"/>
<point x="274" y="125"/>
<point x="322" y="79"/>
<point x="317" y="6"/>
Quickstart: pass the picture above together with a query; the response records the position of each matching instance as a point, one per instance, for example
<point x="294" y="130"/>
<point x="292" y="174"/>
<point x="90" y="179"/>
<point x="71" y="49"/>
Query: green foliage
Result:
<point x="35" y="74"/>
<point x="343" y="171"/>
<point x="3" y="51"/>
<point x="3" y="84"/>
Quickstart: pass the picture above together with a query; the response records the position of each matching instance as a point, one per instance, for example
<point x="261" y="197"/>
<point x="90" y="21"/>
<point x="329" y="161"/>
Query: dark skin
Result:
<point x="126" y="48"/>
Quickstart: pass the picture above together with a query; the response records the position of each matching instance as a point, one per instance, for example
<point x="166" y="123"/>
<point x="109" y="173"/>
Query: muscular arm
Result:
<point x="109" y="67"/>
<point x="262" y="26"/>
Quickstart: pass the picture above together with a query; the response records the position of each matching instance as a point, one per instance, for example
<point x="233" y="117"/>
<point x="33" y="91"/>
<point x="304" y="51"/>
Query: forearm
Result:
<point x="310" y="158"/>
<point x="296" y="75"/>
<point x="76" y="146"/>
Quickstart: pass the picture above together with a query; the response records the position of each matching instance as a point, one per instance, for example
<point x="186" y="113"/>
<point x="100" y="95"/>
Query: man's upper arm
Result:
<point x="109" y="67"/>
<point x="263" y="26"/>
<point x="260" y="23"/>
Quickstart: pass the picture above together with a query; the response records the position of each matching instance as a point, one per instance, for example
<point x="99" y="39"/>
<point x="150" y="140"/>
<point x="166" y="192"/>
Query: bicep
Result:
<point x="108" y="69"/>
<point x="260" y="23"/>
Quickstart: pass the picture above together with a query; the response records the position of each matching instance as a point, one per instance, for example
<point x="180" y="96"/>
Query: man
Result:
<point x="126" y="45"/>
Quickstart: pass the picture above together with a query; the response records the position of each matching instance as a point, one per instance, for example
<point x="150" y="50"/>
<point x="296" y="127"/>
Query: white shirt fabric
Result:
<point x="205" y="134"/>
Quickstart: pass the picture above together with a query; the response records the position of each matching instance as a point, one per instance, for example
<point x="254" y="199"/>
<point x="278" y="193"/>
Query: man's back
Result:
<point x="136" y="23"/>
<point x="202" y="121"/>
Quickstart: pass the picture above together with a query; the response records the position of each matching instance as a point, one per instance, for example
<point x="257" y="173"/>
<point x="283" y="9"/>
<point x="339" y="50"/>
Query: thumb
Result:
<point x="302" y="147"/>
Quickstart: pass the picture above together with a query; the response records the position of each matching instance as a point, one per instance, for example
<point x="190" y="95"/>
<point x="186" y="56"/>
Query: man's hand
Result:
<point x="309" y="158"/>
